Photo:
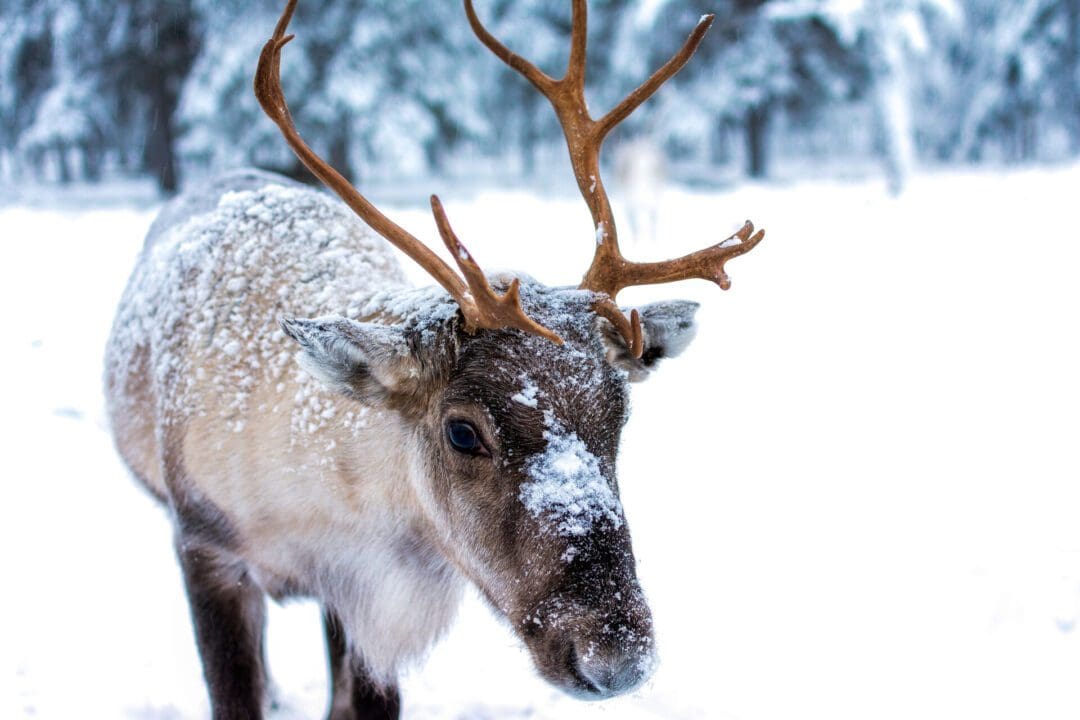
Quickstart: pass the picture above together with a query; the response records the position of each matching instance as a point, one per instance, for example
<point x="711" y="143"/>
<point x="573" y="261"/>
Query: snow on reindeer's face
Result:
<point x="517" y="438"/>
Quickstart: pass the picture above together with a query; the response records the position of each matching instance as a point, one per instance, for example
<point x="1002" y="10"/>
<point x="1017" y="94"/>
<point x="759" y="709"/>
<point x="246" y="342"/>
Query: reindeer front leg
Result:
<point x="228" y="611"/>
<point x="353" y="696"/>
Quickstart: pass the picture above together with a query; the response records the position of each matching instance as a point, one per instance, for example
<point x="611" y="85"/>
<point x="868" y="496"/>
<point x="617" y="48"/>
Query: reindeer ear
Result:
<point x="361" y="360"/>
<point x="666" y="327"/>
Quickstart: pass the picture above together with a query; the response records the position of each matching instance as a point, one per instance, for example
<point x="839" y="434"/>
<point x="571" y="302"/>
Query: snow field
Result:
<point x="856" y="494"/>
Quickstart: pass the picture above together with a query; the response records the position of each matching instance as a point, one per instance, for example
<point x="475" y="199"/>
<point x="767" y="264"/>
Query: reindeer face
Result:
<point x="524" y="445"/>
<point x="517" y="440"/>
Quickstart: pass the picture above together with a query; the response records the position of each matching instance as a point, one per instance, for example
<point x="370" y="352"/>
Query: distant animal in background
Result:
<point x="429" y="438"/>
<point x="641" y="172"/>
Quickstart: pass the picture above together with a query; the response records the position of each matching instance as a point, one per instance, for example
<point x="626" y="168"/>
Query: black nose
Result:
<point x="615" y="670"/>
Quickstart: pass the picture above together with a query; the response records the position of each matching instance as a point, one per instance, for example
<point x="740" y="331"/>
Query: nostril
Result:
<point x="579" y="667"/>
<point x="613" y="672"/>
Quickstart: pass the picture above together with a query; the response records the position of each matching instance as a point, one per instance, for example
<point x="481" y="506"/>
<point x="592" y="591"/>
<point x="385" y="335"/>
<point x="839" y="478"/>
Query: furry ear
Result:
<point x="361" y="360"/>
<point x="667" y="328"/>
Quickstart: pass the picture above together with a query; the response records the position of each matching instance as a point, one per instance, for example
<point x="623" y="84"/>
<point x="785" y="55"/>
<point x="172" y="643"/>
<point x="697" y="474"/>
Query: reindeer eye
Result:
<point x="464" y="437"/>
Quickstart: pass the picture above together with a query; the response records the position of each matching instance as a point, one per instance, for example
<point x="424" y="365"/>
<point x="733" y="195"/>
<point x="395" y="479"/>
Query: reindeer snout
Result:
<point x="618" y="669"/>
<point x="593" y="650"/>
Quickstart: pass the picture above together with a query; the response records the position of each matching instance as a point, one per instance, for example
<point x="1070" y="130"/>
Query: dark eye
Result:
<point x="464" y="437"/>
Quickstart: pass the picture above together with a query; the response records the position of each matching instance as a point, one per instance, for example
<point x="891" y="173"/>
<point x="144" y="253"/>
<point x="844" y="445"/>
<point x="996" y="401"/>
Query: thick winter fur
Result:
<point x="333" y="478"/>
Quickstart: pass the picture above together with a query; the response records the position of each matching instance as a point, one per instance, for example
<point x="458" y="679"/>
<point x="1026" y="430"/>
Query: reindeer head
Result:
<point x="513" y="451"/>
<point x="515" y="394"/>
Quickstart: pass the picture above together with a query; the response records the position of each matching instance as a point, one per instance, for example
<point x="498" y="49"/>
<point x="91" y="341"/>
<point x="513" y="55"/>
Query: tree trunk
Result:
<point x="1029" y="138"/>
<point x="160" y="156"/>
<point x="530" y="138"/>
<point x="339" y="150"/>
<point x="91" y="161"/>
<point x="891" y="97"/>
<point x="1072" y="73"/>
<point x="156" y="70"/>
<point x="757" y="129"/>
<point x="720" y="148"/>
<point x="62" y="165"/>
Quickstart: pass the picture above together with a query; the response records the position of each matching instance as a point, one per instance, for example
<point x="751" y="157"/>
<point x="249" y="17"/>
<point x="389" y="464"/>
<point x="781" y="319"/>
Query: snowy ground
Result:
<point x="857" y="496"/>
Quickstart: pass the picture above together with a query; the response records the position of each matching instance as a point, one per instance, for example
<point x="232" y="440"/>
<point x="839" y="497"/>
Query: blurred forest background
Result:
<point x="396" y="89"/>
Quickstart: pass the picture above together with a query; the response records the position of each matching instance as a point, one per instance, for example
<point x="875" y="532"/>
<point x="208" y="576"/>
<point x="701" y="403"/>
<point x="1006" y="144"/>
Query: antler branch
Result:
<point x="497" y="311"/>
<point x="480" y="305"/>
<point x="533" y="74"/>
<point x="707" y="264"/>
<point x="629" y="328"/>
<point x="648" y="88"/>
<point x="610" y="272"/>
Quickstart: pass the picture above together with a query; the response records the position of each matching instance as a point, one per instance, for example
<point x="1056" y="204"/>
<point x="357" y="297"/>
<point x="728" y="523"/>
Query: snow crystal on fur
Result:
<point x="568" y="488"/>
<point x="205" y="301"/>
<point x="527" y="396"/>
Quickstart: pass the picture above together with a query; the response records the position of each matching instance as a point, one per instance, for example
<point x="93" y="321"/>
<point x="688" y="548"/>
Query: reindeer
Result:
<point x="428" y="438"/>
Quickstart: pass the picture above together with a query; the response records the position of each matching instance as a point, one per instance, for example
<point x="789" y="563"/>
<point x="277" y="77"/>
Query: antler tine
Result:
<point x="480" y="305"/>
<point x="495" y="311"/>
<point x="707" y="264"/>
<point x="648" y="88"/>
<point x="579" y="42"/>
<point x="541" y="80"/>
<point x="629" y="328"/>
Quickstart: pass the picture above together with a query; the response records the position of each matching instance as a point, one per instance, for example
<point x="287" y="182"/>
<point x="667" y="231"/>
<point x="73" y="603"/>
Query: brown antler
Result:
<point x="480" y="305"/>
<point x="610" y="272"/>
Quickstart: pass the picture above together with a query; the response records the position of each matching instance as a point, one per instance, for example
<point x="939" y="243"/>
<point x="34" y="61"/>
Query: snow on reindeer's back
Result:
<point x="220" y="268"/>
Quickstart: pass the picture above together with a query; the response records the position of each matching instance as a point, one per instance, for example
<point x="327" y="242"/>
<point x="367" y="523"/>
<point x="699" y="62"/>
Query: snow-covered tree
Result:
<point x="758" y="62"/>
<point x="152" y="46"/>
<point x="401" y="87"/>
<point x="890" y="37"/>
<point x="52" y="110"/>
<point x="81" y="78"/>
<point x="26" y="66"/>
<point x="1018" y="77"/>
<point x="387" y="83"/>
